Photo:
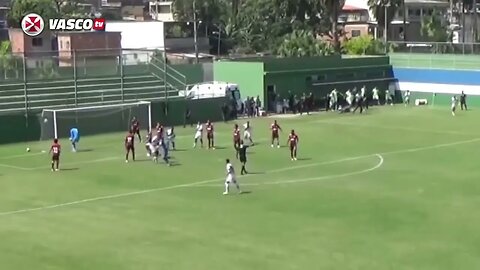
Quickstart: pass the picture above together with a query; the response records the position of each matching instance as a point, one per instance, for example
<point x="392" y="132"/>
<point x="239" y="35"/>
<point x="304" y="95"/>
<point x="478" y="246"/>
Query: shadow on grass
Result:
<point x="69" y="169"/>
<point x="246" y="192"/>
<point x="304" y="159"/>
<point x="84" y="150"/>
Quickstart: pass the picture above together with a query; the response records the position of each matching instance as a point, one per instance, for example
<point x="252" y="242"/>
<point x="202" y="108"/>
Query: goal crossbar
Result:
<point x="55" y="111"/>
<point x="99" y="107"/>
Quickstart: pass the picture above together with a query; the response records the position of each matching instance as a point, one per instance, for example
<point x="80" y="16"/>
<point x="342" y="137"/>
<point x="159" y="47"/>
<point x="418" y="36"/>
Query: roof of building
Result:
<point x="352" y="8"/>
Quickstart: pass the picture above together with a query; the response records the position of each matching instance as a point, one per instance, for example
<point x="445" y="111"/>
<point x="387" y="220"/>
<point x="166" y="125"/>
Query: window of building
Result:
<point x="67" y="46"/>
<point x="356" y="33"/>
<point x="61" y="44"/>
<point x="135" y="56"/>
<point x="37" y="64"/>
<point x="37" y="42"/>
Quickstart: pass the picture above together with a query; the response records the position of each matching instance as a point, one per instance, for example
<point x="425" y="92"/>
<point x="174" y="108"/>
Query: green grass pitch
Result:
<point x="396" y="188"/>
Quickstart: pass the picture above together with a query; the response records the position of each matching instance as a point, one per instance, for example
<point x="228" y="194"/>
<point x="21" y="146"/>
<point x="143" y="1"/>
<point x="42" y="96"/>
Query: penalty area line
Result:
<point x="309" y="179"/>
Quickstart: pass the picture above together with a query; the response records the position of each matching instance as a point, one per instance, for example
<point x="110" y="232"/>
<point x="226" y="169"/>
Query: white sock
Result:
<point x="227" y="187"/>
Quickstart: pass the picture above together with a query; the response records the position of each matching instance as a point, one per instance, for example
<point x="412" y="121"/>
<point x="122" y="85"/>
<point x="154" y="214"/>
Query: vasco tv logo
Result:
<point x="33" y="24"/>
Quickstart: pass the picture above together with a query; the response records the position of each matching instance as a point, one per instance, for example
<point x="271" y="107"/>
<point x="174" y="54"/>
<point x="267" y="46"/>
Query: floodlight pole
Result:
<point x="195" y="33"/>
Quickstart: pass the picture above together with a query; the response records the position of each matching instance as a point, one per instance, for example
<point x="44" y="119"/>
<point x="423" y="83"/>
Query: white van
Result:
<point x="212" y="90"/>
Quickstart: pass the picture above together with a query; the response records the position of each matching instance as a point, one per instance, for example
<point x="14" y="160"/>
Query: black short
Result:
<point x="243" y="159"/>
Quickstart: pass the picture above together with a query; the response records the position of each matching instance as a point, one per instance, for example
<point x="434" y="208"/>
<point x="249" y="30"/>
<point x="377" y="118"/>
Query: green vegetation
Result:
<point x="339" y="207"/>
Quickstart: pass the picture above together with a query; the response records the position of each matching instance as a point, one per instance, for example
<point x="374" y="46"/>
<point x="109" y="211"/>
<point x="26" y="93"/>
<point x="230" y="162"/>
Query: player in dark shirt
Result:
<point x="129" y="145"/>
<point x="463" y="101"/>
<point x="242" y="154"/>
<point x="135" y="127"/>
<point x="55" y="150"/>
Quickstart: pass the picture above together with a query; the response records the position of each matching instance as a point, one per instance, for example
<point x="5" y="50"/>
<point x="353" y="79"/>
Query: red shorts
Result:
<point x="210" y="135"/>
<point x="236" y="140"/>
<point x="130" y="147"/>
<point x="293" y="147"/>
<point x="275" y="134"/>
<point x="55" y="157"/>
<point x="136" y="131"/>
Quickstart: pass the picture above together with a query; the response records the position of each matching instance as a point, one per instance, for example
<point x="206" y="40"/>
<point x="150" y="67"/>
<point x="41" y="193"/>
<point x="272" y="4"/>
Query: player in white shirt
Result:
<point x="407" y="98"/>
<point x="171" y="138"/>
<point x="454" y="105"/>
<point x="247" y="132"/>
<point x="334" y="100"/>
<point x="375" y="96"/>
<point x="349" y="97"/>
<point x="230" y="178"/>
<point x="388" y="98"/>
<point x="198" y="135"/>
<point x="154" y="145"/>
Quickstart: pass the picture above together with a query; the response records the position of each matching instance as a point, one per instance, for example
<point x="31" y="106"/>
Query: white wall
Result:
<point x="139" y="35"/>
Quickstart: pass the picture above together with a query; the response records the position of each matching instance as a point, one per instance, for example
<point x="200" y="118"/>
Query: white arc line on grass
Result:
<point x="310" y="179"/>
<point x="114" y="196"/>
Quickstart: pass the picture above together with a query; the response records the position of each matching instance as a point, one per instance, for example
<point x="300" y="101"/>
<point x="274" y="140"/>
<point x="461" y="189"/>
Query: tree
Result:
<point x="363" y="45"/>
<point x="302" y="43"/>
<point x="20" y="8"/>
<point x="7" y="60"/>
<point x="432" y="28"/>
<point x="333" y="8"/>
<point x="72" y="8"/>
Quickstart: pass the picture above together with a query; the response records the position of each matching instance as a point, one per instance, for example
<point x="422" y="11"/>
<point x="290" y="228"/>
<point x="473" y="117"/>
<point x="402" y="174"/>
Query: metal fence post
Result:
<point x="122" y="91"/>
<point x="165" y="75"/>
<point x="75" y="77"/>
<point x="25" y="86"/>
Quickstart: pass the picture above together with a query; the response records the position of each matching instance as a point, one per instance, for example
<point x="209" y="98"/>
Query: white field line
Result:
<point x="121" y="195"/>
<point x="332" y="122"/>
<point x="310" y="179"/>
<point x="13" y="167"/>
<point x="22" y="155"/>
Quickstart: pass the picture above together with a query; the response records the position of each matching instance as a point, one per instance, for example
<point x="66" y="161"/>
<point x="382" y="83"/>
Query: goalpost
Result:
<point x="56" y="123"/>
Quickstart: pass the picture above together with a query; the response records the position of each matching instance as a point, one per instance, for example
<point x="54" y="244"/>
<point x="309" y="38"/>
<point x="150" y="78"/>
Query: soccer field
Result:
<point x="396" y="188"/>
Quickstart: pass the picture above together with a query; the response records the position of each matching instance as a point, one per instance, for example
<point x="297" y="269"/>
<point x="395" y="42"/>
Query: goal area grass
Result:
<point x="395" y="188"/>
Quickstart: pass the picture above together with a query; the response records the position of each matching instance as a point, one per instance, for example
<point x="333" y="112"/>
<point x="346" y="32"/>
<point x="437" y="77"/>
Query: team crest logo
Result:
<point x="33" y="24"/>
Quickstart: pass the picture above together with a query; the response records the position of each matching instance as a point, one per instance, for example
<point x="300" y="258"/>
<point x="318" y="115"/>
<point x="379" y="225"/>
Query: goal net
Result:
<point x="56" y="123"/>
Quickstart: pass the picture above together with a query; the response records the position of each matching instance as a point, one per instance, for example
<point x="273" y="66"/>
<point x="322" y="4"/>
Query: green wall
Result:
<point x="18" y="128"/>
<point x="248" y="75"/>
<point x="194" y="73"/>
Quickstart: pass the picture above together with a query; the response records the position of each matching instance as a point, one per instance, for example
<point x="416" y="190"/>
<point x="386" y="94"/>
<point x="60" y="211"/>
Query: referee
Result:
<point x="463" y="101"/>
<point x="242" y="154"/>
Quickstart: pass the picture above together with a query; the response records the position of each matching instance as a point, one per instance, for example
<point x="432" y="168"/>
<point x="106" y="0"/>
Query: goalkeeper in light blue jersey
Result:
<point x="74" y="138"/>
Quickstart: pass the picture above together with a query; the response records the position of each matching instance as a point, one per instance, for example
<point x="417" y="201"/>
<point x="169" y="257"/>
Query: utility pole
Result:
<point x="195" y="33"/>
<point x="385" y="38"/>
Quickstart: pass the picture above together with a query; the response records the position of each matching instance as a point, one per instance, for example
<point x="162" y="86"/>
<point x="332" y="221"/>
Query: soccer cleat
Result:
<point x="53" y="170"/>
<point x="295" y="158"/>
<point x="126" y="161"/>
<point x="225" y="193"/>
<point x="292" y="159"/>
<point x="148" y="154"/>
<point x="278" y="145"/>
<point x="272" y="145"/>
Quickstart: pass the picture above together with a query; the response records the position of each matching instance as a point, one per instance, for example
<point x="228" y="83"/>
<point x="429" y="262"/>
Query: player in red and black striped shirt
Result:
<point x="55" y="150"/>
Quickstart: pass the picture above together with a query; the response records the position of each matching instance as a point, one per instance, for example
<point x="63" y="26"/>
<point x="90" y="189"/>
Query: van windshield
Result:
<point x="236" y="94"/>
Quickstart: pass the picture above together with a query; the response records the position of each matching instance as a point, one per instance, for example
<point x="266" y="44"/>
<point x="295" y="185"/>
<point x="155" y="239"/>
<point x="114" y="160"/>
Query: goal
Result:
<point x="56" y="123"/>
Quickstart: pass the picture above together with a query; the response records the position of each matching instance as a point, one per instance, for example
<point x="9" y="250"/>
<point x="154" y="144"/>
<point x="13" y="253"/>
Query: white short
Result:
<point x="247" y="134"/>
<point x="198" y="135"/>
<point x="375" y="97"/>
<point x="230" y="179"/>
<point x="153" y="148"/>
